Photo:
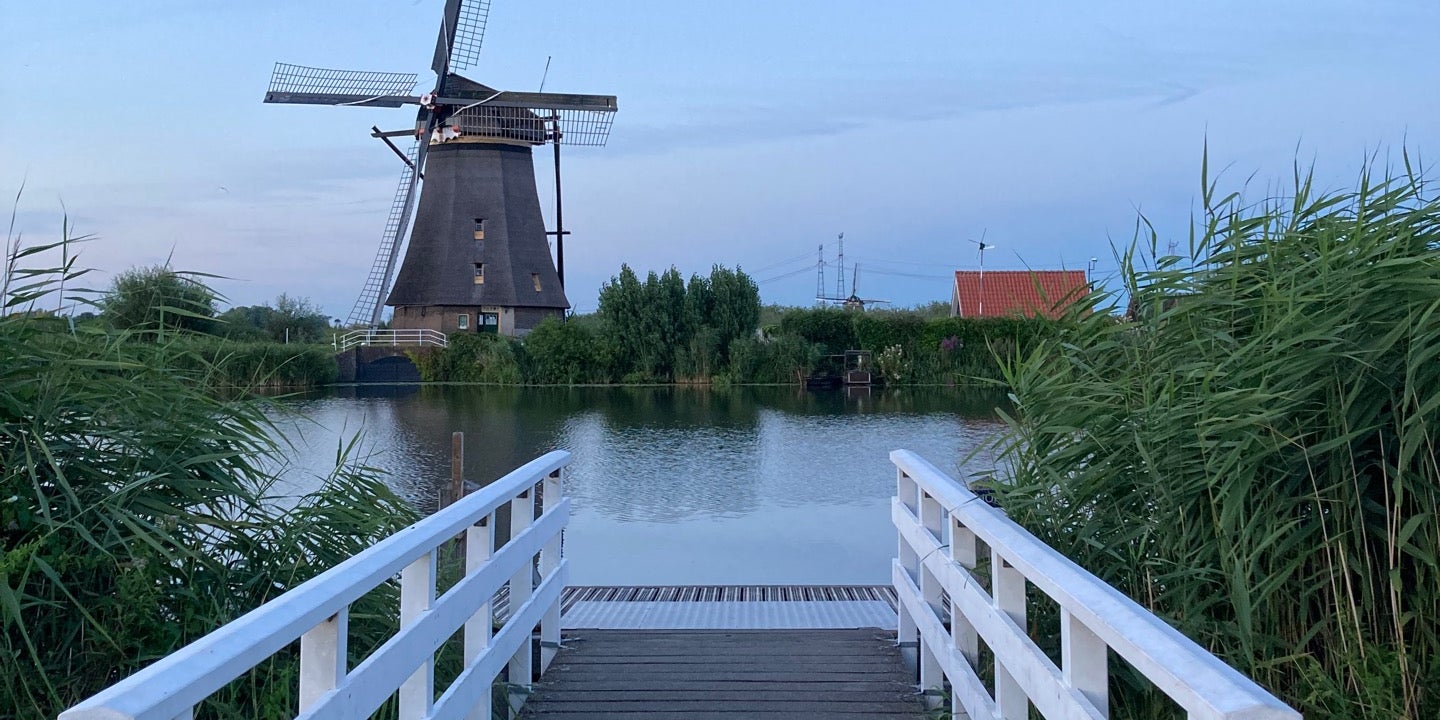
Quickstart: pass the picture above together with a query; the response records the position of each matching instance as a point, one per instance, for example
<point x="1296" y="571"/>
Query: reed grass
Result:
<point x="138" y="510"/>
<point x="1251" y="452"/>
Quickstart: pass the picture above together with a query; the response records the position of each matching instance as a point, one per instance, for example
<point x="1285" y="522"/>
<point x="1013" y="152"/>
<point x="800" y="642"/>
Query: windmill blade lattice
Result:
<point x="469" y="34"/>
<point x="461" y="35"/>
<point x="590" y="128"/>
<point x="303" y="85"/>
<point x="367" y="307"/>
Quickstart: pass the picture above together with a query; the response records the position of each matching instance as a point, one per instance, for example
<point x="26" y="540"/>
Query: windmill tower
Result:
<point x="478" y="258"/>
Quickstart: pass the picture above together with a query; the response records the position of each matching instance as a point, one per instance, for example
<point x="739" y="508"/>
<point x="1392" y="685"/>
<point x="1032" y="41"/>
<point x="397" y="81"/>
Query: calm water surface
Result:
<point x="673" y="485"/>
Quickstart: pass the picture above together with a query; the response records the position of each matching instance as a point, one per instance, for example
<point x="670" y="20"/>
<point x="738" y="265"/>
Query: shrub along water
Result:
<point x="1252" y="452"/>
<point x="137" y="511"/>
<point x="255" y="365"/>
<point x="666" y="330"/>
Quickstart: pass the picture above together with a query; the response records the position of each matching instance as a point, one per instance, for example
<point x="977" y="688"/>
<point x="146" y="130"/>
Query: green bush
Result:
<point x="563" y="353"/>
<point x="472" y="358"/>
<point x="1252" y="453"/>
<point x="782" y="360"/>
<point x="832" y="328"/>
<point x="875" y="331"/>
<point x="700" y="359"/>
<point x="255" y="365"/>
<point x="150" y="301"/>
<point x="663" y="327"/>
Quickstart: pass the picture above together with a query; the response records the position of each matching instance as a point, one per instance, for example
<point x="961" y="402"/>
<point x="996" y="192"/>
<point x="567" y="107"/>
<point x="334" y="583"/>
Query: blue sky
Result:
<point x="748" y="132"/>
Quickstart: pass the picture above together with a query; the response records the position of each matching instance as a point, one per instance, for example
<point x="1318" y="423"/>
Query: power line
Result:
<point x="895" y="273"/>
<point x="787" y="261"/>
<point x="868" y="260"/>
<point x="792" y="273"/>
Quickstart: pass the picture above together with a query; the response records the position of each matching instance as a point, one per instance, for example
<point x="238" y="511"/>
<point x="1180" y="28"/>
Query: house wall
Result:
<point x="513" y="322"/>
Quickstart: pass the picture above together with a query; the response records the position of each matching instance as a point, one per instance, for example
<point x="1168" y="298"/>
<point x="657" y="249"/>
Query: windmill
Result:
<point x="853" y="301"/>
<point x="478" y="248"/>
<point x="983" y="246"/>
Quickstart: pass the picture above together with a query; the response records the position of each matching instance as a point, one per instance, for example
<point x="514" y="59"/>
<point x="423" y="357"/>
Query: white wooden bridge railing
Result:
<point x="933" y="512"/>
<point x="316" y="612"/>
<point x="369" y="337"/>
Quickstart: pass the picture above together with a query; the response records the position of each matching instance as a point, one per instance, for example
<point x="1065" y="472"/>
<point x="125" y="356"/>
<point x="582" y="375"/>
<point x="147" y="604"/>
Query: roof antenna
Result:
<point x="546" y="75"/>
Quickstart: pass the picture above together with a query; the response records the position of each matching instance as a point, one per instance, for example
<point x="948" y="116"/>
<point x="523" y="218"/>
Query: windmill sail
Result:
<point x="298" y="84"/>
<point x="461" y="34"/>
<point x="367" y="308"/>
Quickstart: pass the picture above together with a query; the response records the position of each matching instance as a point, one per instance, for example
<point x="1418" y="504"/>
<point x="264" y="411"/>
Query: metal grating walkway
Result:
<point x="732" y="607"/>
<point x="731" y="674"/>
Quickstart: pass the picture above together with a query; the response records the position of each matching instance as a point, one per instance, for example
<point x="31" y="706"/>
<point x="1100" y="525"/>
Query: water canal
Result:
<point x="673" y="485"/>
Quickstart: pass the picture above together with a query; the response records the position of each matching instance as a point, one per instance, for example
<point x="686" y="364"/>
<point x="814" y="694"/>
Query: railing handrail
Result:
<point x="1199" y="682"/>
<point x="170" y="687"/>
<point x="403" y="336"/>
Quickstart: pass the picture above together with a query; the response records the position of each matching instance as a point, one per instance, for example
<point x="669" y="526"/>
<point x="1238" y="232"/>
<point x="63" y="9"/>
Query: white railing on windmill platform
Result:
<point x="939" y="522"/>
<point x="366" y="338"/>
<point x="315" y="613"/>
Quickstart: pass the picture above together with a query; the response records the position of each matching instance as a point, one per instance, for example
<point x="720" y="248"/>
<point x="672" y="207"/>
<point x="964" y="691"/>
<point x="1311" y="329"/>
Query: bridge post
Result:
<point x="907" y="634"/>
<point x="1007" y="586"/>
<point x="1084" y="661"/>
<point x="323" y="651"/>
<point x="479" y="545"/>
<point x="932" y="676"/>
<point x="522" y="515"/>
<point x="551" y="492"/>
<point x="417" y="594"/>
<point x="962" y="631"/>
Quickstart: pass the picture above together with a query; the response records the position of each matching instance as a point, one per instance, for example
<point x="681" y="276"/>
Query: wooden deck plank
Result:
<point x="726" y="674"/>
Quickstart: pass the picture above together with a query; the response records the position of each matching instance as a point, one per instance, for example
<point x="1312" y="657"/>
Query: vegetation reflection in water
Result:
<point x="676" y="485"/>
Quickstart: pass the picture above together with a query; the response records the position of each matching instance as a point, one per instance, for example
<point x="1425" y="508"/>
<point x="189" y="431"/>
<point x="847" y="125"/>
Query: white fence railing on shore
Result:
<point x="316" y="614"/>
<point x="365" y="338"/>
<point x="933" y="512"/>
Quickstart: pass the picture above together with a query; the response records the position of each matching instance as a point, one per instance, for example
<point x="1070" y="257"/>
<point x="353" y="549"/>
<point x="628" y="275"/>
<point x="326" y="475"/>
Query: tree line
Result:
<point x="156" y="299"/>
<point x="707" y="329"/>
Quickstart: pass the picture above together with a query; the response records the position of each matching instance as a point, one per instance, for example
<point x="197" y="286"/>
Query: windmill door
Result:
<point x="488" y="322"/>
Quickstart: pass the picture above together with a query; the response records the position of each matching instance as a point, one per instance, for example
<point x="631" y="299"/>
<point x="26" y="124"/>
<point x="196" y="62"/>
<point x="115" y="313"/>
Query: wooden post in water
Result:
<point x="457" y="467"/>
<point x="456" y="490"/>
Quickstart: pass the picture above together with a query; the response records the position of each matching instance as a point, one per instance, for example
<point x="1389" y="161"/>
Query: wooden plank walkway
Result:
<point x="726" y="675"/>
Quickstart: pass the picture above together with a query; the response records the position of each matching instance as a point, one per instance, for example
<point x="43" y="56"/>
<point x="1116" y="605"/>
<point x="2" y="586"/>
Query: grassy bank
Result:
<point x="1252" y="453"/>
<point x="255" y="365"/>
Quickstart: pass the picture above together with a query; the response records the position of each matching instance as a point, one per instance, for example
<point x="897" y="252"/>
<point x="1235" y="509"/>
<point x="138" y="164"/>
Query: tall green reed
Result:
<point x="137" y="509"/>
<point x="1251" y="452"/>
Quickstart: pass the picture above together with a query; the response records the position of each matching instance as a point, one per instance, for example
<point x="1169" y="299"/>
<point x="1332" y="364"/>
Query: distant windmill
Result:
<point x="853" y="301"/>
<point x="983" y="246"/>
<point x="478" y="248"/>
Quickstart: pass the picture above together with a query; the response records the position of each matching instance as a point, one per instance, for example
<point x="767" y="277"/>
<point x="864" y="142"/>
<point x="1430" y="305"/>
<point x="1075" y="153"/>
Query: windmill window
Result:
<point x="535" y="278"/>
<point x="479" y="228"/>
<point x="462" y="321"/>
<point x="479" y="273"/>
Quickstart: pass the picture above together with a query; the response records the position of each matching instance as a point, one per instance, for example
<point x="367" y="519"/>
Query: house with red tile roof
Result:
<point x="1016" y="293"/>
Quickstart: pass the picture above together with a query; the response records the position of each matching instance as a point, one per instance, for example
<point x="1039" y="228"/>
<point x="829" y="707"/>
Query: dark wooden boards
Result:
<point x="726" y="674"/>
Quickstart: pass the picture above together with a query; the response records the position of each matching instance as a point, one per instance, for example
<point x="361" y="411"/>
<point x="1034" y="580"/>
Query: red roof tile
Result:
<point x="1007" y="293"/>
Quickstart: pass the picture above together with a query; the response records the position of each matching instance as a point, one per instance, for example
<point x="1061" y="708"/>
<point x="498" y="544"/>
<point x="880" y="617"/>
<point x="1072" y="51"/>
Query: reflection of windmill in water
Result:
<point x="478" y="258"/>
<point x="853" y="301"/>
